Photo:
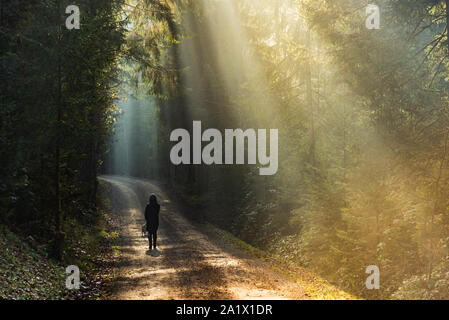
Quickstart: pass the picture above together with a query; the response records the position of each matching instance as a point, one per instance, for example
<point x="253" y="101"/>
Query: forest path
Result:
<point x="190" y="264"/>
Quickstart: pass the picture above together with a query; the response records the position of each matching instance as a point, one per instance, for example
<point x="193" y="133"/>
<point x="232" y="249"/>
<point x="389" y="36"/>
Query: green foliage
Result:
<point x="26" y="273"/>
<point x="57" y="108"/>
<point x="362" y="119"/>
<point x="423" y="287"/>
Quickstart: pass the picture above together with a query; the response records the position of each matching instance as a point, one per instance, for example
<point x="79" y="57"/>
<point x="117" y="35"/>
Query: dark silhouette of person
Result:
<point x="152" y="219"/>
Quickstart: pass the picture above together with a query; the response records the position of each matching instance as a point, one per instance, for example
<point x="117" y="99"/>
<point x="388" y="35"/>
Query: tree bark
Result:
<point x="59" y="237"/>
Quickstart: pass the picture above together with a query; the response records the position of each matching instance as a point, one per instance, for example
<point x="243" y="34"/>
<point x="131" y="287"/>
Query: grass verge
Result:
<point x="314" y="286"/>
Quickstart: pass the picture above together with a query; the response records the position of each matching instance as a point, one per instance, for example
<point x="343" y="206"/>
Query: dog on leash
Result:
<point x="144" y="231"/>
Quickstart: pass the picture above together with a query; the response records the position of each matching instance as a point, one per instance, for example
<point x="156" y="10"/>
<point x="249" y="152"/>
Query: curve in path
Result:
<point x="190" y="265"/>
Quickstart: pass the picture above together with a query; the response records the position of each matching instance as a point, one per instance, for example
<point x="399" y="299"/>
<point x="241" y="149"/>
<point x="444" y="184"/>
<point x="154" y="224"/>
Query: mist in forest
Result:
<point x="352" y="106"/>
<point x="362" y="116"/>
<point x="362" y="159"/>
<point x="132" y="146"/>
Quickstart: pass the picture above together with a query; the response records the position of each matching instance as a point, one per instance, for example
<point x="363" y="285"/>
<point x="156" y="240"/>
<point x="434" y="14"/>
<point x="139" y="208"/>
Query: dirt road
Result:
<point x="190" y="264"/>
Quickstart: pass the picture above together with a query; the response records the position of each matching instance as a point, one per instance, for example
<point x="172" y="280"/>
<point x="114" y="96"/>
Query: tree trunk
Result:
<point x="59" y="236"/>
<point x="309" y="95"/>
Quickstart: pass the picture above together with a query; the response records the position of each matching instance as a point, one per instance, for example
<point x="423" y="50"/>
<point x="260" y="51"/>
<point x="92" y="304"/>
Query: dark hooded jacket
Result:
<point x="152" y="214"/>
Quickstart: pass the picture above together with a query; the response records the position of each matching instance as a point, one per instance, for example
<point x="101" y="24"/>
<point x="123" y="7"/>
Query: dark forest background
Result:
<point x="362" y="116"/>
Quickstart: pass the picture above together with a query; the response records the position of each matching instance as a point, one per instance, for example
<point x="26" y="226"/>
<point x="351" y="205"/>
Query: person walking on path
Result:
<point x="152" y="218"/>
